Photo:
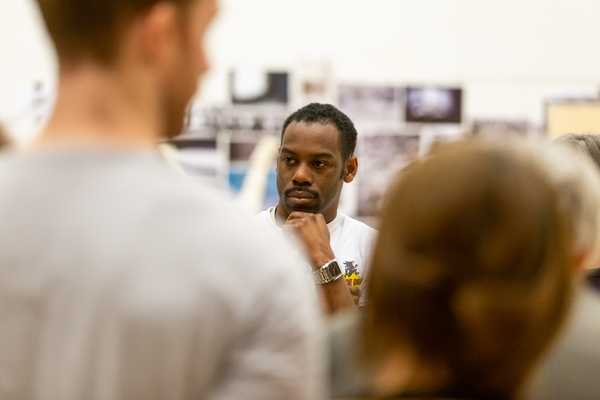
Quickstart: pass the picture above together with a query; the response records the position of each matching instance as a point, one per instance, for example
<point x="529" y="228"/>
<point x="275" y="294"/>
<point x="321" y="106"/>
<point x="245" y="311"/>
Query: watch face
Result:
<point x="334" y="269"/>
<point x="328" y="273"/>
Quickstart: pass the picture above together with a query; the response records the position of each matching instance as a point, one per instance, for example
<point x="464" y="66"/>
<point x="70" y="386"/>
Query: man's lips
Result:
<point x="300" y="197"/>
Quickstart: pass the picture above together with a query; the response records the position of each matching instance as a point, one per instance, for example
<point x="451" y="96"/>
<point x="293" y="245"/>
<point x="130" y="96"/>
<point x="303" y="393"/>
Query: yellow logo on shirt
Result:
<point x="351" y="274"/>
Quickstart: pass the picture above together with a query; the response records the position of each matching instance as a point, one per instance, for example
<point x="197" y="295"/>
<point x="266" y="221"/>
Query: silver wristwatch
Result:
<point x="328" y="272"/>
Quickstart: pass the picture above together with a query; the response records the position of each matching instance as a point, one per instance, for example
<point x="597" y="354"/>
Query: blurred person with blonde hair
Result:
<point x="471" y="277"/>
<point x="120" y="279"/>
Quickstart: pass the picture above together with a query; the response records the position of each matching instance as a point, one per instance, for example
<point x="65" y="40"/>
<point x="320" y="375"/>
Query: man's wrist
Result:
<point x="320" y="260"/>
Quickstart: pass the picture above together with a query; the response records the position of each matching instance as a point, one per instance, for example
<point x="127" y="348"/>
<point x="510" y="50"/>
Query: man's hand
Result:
<point x="310" y="232"/>
<point x="355" y="293"/>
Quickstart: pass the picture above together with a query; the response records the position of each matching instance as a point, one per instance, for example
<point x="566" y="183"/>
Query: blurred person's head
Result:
<point x="158" y="43"/>
<point x="471" y="276"/>
<point x="315" y="158"/>
<point x="585" y="143"/>
<point x="573" y="165"/>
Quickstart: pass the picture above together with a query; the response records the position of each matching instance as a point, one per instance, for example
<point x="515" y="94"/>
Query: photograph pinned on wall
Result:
<point x="500" y="128"/>
<point x="199" y="157"/>
<point x="432" y="104"/>
<point x="201" y="120"/>
<point x="206" y="121"/>
<point x="380" y="157"/>
<point x="256" y="86"/>
<point x="258" y="122"/>
<point x="315" y="83"/>
<point x="578" y="93"/>
<point x="572" y="116"/>
<point x="241" y="151"/>
<point x="433" y="135"/>
<point x="371" y="104"/>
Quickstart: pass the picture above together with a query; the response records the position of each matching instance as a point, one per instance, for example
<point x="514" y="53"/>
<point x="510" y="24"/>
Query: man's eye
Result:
<point x="288" y="160"/>
<point x="320" y="163"/>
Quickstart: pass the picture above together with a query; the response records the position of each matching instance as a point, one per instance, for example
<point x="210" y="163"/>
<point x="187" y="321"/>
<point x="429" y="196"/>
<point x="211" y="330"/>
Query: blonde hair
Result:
<point x="472" y="269"/>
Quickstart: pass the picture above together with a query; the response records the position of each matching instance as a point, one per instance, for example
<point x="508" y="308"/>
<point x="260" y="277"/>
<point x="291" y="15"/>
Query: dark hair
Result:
<point x="91" y="29"/>
<point x="589" y="144"/>
<point x="327" y="114"/>
<point x="472" y="270"/>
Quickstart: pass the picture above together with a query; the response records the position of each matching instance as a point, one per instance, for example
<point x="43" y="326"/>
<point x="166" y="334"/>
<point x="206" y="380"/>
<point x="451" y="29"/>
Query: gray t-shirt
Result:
<point x="120" y="279"/>
<point x="571" y="368"/>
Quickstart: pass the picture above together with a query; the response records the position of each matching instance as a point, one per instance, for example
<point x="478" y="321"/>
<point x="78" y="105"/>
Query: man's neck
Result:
<point x="280" y="215"/>
<point x="98" y="107"/>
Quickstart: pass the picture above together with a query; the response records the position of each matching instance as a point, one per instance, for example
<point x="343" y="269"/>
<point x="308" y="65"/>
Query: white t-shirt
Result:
<point x="120" y="279"/>
<point x="352" y="243"/>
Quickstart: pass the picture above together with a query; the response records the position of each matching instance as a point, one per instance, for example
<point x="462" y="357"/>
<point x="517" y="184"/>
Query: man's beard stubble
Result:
<point x="174" y="113"/>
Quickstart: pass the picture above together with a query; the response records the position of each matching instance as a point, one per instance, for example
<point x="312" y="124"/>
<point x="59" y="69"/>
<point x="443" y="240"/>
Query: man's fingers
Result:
<point x="355" y="293"/>
<point x="297" y="215"/>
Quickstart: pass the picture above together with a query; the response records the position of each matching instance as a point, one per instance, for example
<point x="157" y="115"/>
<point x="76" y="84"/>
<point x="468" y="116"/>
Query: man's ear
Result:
<point x="277" y="161"/>
<point x="160" y="33"/>
<point x="351" y="169"/>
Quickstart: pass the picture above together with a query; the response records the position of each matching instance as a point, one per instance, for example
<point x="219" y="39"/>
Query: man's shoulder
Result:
<point x="353" y="224"/>
<point x="265" y="219"/>
<point x="264" y="215"/>
<point x="166" y="214"/>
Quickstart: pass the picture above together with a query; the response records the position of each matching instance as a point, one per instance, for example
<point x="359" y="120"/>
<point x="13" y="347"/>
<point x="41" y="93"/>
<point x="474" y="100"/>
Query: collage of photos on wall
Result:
<point x="396" y="124"/>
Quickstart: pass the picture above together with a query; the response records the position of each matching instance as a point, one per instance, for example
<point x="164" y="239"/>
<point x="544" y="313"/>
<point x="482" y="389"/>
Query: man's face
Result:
<point x="310" y="168"/>
<point x="189" y="64"/>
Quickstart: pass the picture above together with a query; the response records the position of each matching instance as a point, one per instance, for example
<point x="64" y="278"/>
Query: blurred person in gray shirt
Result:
<point x="119" y="279"/>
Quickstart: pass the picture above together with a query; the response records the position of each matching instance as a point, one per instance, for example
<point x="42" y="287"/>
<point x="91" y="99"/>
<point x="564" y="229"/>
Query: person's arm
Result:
<point x="312" y="235"/>
<point x="280" y="353"/>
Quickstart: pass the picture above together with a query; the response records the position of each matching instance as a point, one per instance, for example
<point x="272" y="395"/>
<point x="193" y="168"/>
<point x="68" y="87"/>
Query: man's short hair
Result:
<point x="326" y="114"/>
<point x="91" y="29"/>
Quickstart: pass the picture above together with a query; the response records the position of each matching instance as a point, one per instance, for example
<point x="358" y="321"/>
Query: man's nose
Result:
<point x="302" y="175"/>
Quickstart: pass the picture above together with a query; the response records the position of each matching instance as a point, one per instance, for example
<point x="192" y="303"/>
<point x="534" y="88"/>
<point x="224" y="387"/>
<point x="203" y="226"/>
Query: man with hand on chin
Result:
<point x="315" y="158"/>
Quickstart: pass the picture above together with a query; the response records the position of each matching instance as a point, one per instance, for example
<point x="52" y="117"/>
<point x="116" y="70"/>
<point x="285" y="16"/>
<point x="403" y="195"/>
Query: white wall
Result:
<point x="508" y="54"/>
<point x="26" y="58"/>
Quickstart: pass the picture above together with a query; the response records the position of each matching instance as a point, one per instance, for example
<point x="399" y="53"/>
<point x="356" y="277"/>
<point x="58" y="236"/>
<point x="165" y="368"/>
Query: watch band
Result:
<point x="328" y="272"/>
